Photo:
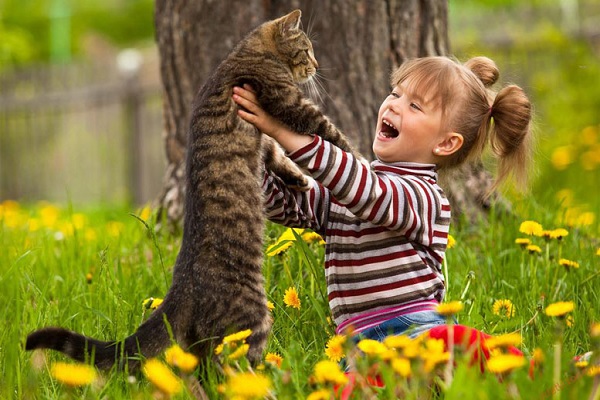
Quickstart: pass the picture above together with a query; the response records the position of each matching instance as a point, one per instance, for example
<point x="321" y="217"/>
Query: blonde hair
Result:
<point x="471" y="108"/>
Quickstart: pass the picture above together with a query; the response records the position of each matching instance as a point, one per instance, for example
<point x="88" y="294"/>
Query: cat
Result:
<point x="218" y="286"/>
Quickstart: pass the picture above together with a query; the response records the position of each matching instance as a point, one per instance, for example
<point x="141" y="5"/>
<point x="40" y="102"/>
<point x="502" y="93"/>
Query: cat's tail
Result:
<point x="151" y="338"/>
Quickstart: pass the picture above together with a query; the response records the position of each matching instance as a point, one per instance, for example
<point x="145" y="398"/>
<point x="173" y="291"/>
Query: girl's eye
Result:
<point x="394" y="94"/>
<point x="415" y="106"/>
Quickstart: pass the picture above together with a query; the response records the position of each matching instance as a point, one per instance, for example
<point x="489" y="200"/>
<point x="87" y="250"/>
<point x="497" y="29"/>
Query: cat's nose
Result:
<point x="313" y="60"/>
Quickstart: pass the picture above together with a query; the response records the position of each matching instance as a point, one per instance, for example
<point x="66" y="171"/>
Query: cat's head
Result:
<point x="292" y="46"/>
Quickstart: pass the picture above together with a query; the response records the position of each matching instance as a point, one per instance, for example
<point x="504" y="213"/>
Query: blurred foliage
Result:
<point x="26" y="26"/>
<point x="555" y="58"/>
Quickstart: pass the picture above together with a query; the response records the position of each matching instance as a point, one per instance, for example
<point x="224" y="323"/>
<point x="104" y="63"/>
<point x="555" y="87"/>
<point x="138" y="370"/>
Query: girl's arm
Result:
<point x="406" y="203"/>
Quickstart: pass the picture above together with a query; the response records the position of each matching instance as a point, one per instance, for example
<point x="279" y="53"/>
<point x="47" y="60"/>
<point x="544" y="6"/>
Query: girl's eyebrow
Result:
<point x="417" y="97"/>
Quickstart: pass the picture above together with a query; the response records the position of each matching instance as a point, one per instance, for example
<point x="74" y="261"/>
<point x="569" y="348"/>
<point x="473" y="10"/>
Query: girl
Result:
<point x="386" y="225"/>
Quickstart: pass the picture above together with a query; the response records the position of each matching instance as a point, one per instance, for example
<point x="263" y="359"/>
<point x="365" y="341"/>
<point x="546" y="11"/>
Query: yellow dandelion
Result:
<point x="451" y="242"/>
<point x="401" y="366"/>
<point x="570" y="321"/>
<point x="162" y="377"/>
<point x="531" y="228"/>
<point x="589" y="135"/>
<point x="89" y="278"/>
<point x="533" y="249"/>
<point x="568" y="264"/>
<point x="585" y="219"/>
<point x="329" y="371"/>
<point x="397" y="341"/>
<point x="594" y="370"/>
<point x="433" y="359"/>
<point x="49" y="214"/>
<point x="311" y="237"/>
<point x="145" y="213"/>
<point x="177" y="357"/>
<point x="450" y="308"/>
<point x="589" y="160"/>
<point x="433" y="353"/>
<point x="559" y="233"/>
<point x="278" y="248"/>
<point x="73" y="374"/>
<point x="151" y="303"/>
<point x="560" y="309"/>
<point x="284" y="241"/>
<point x="595" y="330"/>
<point x="270" y="305"/>
<point x="538" y="356"/>
<point x="239" y="352"/>
<point x="503" y="341"/>
<point x="291" y="298"/>
<point x="334" y="349"/>
<point x="237" y="337"/>
<point x="371" y="347"/>
<point x="389" y="354"/>
<point x="247" y="385"/>
<point x="503" y="308"/>
<point x="523" y="242"/>
<point x="413" y="348"/>
<point x="562" y="157"/>
<point x="434" y="345"/>
<point x="90" y="235"/>
<point x="598" y="251"/>
<point x="114" y="228"/>
<point x="504" y="363"/>
<point x="582" y="364"/>
<point x="274" y="358"/>
<point x="321" y="394"/>
<point x="79" y="221"/>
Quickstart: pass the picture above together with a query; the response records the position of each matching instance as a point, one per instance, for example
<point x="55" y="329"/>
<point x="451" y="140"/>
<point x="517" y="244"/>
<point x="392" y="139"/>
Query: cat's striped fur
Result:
<point x="217" y="283"/>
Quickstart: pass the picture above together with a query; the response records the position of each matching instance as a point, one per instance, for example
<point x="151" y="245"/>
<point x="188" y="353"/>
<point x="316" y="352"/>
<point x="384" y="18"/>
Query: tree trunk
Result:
<point x="357" y="43"/>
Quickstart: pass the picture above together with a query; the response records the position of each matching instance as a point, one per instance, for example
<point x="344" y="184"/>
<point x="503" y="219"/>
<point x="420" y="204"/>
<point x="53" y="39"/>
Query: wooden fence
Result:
<point x="80" y="133"/>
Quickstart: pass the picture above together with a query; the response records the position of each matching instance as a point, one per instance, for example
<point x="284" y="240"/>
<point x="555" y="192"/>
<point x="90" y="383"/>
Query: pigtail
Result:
<point x="485" y="69"/>
<point x="510" y="136"/>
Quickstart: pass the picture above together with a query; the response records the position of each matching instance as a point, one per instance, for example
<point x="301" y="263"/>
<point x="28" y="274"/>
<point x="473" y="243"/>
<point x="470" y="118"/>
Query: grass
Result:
<point x="91" y="270"/>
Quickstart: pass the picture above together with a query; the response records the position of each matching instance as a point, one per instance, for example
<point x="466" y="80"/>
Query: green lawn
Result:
<point x="91" y="270"/>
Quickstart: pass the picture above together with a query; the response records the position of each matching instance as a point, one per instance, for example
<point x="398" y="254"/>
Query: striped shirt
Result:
<point x="386" y="229"/>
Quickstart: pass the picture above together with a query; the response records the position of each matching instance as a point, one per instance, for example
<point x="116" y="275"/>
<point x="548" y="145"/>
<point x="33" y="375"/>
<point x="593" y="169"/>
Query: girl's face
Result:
<point x="408" y="127"/>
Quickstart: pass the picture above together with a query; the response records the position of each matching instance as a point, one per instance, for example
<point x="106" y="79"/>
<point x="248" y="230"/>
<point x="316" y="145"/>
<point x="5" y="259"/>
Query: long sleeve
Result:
<point x="402" y="197"/>
<point x="293" y="208"/>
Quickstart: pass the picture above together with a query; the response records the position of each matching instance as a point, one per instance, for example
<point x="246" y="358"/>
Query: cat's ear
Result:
<point x="291" y="21"/>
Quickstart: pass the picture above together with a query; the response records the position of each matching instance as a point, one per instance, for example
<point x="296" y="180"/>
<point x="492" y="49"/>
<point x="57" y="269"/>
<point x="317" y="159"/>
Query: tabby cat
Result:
<point x="217" y="283"/>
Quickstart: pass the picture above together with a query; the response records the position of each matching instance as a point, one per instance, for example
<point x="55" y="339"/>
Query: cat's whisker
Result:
<point x="309" y="29"/>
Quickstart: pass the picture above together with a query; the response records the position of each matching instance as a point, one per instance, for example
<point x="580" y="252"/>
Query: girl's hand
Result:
<point x="250" y="111"/>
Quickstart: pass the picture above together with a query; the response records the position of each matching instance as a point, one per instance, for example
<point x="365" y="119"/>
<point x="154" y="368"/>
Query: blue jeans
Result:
<point x="412" y="324"/>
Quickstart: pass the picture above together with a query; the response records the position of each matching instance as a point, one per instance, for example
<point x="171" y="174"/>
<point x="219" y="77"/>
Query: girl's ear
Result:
<point x="450" y="144"/>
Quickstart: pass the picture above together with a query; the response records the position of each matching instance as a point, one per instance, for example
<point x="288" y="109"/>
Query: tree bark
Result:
<point x="357" y="43"/>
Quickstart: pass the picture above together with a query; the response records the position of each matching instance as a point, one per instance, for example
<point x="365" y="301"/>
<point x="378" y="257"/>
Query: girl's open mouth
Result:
<point x="388" y="130"/>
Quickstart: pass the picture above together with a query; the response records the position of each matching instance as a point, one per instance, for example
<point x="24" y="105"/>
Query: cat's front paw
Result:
<point x="301" y="184"/>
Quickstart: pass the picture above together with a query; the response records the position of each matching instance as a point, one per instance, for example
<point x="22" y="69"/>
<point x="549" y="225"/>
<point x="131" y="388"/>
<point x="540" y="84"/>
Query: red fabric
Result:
<point x="468" y="339"/>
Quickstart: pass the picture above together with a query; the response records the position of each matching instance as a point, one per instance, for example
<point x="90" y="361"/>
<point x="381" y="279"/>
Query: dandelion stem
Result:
<point x="470" y="277"/>
<point x="450" y="364"/>
<point x="446" y="275"/>
<point x="557" y="353"/>
<point x="595" y="394"/>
